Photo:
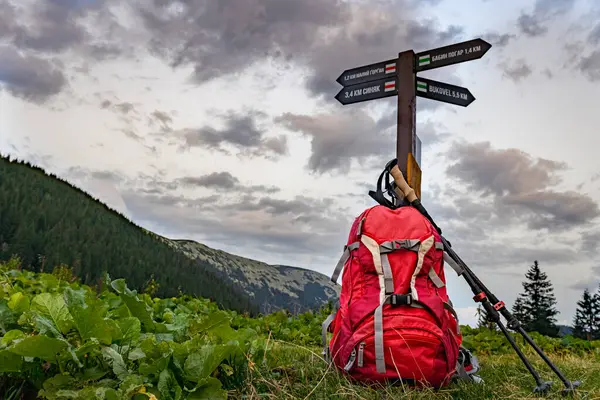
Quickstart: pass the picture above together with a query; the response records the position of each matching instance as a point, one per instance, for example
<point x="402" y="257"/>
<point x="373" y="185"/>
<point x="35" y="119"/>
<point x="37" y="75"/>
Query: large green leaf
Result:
<point x="11" y="336"/>
<point x="116" y="362"/>
<point x="130" y="329"/>
<point x="204" y="361"/>
<point x="57" y="387"/>
<point x="53" y="307"/>
<point x="10" y="362"/>
<point x="19" y="302"/>
<point x="208" y="389"/>
<point x="88" y="316"/>
<point x="214" y="322"/>
<point x="137" y="307"/>
<point x="168" y="387"/>
<point x="7" y="316"/>
<point x="39" y="346"/>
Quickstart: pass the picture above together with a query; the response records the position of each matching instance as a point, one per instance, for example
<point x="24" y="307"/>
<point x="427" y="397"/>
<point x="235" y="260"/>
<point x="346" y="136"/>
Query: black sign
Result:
<point x="367" y="73"/>
<point x="445" y="92"/>
<point x="368" y="91"/>
<point x="452" y="54"/>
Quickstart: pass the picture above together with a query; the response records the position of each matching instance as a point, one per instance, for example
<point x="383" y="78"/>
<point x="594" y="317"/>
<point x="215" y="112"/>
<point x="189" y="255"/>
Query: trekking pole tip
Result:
<point x="542" y="387"/>
<point x="573" y="385"/>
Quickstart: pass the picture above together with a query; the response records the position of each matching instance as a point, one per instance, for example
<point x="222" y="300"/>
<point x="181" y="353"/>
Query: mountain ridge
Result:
<point x="47" y="220"/>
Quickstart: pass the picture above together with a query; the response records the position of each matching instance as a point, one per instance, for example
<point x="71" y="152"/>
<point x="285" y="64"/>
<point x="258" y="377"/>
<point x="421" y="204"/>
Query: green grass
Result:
<point x="62" y="340"/>
<point x="295" y="372"/>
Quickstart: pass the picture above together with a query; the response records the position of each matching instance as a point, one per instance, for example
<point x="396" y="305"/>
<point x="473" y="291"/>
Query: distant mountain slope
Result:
<point x="47" y="221"/>
<point x="271" y="287"/>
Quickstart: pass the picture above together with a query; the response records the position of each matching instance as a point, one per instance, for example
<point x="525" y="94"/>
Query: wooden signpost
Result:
<point x="397" y="77"/>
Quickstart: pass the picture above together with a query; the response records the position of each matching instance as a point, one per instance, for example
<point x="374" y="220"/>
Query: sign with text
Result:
<point x="452" y="54"/>
<point x="367" y="73"/>
<point x="445" y="92"/>
<point x="367" y="91"/>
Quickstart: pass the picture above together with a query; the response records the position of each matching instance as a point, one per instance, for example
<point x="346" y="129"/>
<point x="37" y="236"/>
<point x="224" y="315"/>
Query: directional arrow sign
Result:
<point x="367" y="91"/>
<point x="452" y="54"/>
<point x="367" y="73"/>
<point x="445" y="92"/>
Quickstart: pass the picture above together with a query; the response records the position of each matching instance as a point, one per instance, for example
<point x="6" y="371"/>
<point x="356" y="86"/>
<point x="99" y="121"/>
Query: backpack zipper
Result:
<point x="361" y="349"/>
<point x="351" y="360"/>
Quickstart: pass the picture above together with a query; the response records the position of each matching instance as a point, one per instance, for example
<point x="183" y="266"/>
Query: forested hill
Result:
<point x="47" y="221"/>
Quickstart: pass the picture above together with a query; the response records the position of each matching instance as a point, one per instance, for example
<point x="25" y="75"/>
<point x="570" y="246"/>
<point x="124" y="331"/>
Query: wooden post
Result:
<point x="407" y="107"/>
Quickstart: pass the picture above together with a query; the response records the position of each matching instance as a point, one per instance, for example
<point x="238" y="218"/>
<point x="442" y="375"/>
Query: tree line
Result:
<point x="48" y="222"/>
<point x="535" y="308"/>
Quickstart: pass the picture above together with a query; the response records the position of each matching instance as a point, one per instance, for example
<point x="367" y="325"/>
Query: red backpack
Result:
<point x="395" y="320"/>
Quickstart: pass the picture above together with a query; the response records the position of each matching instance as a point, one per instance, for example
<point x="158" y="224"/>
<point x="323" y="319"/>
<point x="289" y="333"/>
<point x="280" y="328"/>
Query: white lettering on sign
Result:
<point x="372" y="89"/>
<point x="369" y="72"/>
<point x="448" y="92"/>
<point x="358" y="92"/>
<point x="456" y="53"/>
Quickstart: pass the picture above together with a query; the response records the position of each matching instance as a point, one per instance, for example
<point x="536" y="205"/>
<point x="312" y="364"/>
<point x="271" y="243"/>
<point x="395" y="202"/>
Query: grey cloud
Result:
<point x="218" y="180"/>
<point x="590" y="66"/>
<point x="107" y="176"/>
<point x="590" y="243"/>
<point x="536" y="23"/>
<point x="125" y="107"/>
<point x="79" y="173"/>
<point x="289" y="227"/>
<point x="56" y="26"/>
<point x="338" y="138"/>
<point x="431" y="133"/>
<point x="530" y="25"/>
<point x="226" y="36"/>
<point x="371" y="40"/>
<point x="517" y="187"/>
<point x="162" y="118"/>
<point x="501" y="171"/>
<point x="28" y="77"/>
<point x="499" y="40"/>
<point x="219" y="38"/>
<point x="517" y="71"/>
<point x="556" y="210"/>
<point x="594" y="35"/>
<point x="240" y="131"/>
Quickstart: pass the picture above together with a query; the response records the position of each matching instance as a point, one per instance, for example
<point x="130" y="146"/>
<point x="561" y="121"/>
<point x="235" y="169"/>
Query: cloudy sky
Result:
<point x="215" y="121"/>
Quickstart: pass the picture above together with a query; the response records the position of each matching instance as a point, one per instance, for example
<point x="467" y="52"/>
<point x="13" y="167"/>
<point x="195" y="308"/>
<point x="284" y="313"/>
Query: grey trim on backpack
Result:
<point x="404" y="244"/>
<point x="378" y="339"/>
<point x="437" y="281"/>
<point x="459" y="271"/>
<point x="387" y="274"/>
<point x="324" y="328"/>
<point x="343" y="259"/>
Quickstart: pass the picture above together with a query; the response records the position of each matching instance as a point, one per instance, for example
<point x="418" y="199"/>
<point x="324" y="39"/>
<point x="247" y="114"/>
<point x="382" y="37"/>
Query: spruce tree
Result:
<point x="482" y="321"/>
<point x="536" y="306"/>
<point x="586" y="324"/>
<point x="520" y="313"/>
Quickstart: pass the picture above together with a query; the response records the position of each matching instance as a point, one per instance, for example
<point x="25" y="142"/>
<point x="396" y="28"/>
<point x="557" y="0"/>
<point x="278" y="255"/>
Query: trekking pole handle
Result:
<point x="402" y="185"/>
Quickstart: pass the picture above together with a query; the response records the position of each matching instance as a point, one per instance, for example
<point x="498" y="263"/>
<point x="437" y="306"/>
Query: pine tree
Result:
<point x="536" y="306"/>
<point x="586" y="324"/>
<point x="482" y="321"/>
<point x="520" y="313"/>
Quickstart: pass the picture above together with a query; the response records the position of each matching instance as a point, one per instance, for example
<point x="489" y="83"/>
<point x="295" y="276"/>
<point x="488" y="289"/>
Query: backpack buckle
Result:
<point x="400" y="300"/>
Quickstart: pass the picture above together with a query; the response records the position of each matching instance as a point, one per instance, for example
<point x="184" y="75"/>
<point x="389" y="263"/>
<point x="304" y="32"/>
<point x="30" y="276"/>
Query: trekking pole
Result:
<point x="483" y="294"/>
